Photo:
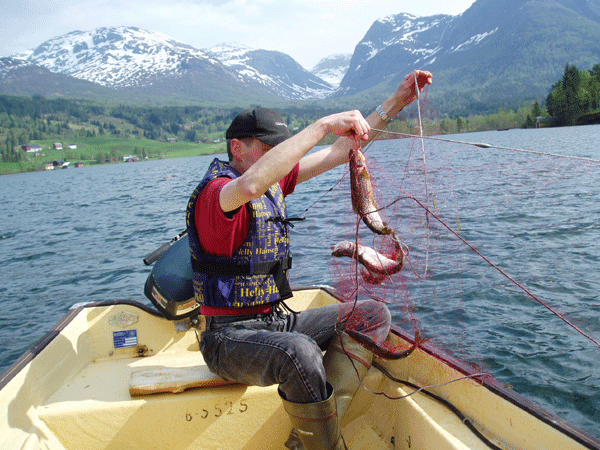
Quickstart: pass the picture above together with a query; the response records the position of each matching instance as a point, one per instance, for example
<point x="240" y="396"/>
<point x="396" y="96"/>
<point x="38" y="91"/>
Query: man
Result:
<point x="238" y="231"/>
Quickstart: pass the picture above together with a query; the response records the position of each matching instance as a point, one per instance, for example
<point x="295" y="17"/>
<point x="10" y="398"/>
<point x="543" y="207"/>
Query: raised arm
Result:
<point x="260" y="171"/>
<point x="330" y="157"/>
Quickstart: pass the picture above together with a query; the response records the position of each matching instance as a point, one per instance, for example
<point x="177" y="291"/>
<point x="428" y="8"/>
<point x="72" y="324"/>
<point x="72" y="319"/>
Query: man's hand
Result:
<point x="350" y="123"/>
<point x="407" y="91"/>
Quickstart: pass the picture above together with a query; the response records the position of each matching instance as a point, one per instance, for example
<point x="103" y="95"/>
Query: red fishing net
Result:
<point x="414" y="241"/>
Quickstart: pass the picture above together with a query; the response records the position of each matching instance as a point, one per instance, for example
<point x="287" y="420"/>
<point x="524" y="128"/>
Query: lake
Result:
<point x="79" y="235"/>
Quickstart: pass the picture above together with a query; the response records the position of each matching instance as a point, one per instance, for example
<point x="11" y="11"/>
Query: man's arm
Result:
<point x="281" y="159"/>
<point x="330" y="157"/>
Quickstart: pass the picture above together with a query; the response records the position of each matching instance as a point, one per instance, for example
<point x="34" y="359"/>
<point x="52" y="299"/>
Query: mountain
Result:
<point x="118" y="57"/>
<point x="332" y="68"/>
<point x="392" y="45"/>
<point x="20" y="77"/>
<point x="154" y="66"/>
<point x="276" y="71"/>
<point x="498" y="53"/>
<point x="143" y="63"/>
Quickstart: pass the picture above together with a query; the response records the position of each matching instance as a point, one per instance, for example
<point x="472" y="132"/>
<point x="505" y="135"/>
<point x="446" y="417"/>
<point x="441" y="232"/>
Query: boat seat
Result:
<point x="116" y="396"/>
<point x="148" y="381"/>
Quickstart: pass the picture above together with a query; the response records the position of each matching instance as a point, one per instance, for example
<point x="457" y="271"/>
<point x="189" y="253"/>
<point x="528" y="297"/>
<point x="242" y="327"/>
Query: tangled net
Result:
<point x="413" y="199"/>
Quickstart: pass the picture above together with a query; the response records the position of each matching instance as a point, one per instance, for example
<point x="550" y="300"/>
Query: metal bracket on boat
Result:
<point x="198" y="322"/>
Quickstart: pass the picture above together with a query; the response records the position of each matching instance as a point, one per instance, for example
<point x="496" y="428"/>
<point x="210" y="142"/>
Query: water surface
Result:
<point x="79" y="235"/>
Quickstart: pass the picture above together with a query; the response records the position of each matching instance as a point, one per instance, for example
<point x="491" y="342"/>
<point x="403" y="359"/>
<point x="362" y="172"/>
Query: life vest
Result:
<point x="257" y="273"/>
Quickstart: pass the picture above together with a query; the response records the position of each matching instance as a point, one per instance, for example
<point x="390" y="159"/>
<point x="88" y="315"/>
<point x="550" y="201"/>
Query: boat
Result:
<point x="119" y="374"/>
<point x="122" y="374"/>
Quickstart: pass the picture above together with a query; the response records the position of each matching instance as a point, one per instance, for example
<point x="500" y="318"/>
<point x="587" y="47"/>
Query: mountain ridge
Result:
<point x="497" y="53"/>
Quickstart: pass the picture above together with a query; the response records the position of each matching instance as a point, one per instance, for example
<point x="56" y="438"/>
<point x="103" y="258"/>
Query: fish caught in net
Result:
<point x="407" y="233"/>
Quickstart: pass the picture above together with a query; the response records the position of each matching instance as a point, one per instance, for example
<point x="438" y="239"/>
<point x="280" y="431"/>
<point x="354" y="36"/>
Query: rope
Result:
<point x="428" y="228"/>
<point x="512" y="280"/>
<point x="424" y="389"/>
<point x="484" y="145"/>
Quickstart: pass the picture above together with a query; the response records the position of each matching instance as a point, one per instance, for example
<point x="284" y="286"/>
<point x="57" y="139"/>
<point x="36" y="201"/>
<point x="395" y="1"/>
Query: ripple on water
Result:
<point x="83" y="237"/>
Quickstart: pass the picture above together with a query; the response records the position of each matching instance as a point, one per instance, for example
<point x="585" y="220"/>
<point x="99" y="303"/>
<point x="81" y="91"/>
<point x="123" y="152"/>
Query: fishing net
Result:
<point x="454" y="238"/>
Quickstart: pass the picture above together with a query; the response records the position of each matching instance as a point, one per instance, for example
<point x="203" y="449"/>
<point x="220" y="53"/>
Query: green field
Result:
<point x="97" y="150"/>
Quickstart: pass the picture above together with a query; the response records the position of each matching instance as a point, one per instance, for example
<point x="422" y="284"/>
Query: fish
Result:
<point x="377" y="265"/>
<point x="363" y="200"/>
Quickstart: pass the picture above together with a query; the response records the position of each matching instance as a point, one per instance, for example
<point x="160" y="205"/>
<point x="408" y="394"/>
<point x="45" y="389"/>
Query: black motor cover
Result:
<point x="170" y="283"/>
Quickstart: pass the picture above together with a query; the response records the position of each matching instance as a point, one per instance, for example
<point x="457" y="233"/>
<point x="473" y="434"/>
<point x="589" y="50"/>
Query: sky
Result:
<point x="307" y="30"/>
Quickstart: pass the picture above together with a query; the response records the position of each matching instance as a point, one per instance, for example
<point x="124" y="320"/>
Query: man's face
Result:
<point x="255" y="149"/>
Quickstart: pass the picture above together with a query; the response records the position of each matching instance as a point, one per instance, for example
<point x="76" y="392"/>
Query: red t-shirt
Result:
<point x="223" y="233"/>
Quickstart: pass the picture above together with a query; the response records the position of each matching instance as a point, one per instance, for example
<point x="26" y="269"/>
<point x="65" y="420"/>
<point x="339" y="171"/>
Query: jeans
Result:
<point x="286" y="348"/>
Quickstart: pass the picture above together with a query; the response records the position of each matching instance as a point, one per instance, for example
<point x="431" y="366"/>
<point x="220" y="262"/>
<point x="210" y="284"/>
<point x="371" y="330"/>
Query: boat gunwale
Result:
<point x="506" y="393"/>
<point x="498" y="388"/>
<point x="495" y="386"/>
<point x="13" y="370"/>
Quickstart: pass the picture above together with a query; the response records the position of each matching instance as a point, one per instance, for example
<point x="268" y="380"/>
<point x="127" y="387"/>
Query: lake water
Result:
<point x="79" y="235"/>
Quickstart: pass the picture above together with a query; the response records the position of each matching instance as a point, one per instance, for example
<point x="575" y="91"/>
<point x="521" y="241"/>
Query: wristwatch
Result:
<point x="383" y="114"/>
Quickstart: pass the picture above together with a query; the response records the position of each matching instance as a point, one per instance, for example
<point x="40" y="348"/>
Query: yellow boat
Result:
<point x="119" y="375"/>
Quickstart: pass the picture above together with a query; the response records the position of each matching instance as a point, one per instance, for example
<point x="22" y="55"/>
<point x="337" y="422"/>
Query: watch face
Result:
<point x="383" y="114"/>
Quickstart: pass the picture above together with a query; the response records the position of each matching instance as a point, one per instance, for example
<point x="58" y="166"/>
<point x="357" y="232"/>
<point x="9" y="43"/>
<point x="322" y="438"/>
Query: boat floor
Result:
<point x="77" y="391"/>
<point x="203" y="418"/>
<point x="95" y="410"/>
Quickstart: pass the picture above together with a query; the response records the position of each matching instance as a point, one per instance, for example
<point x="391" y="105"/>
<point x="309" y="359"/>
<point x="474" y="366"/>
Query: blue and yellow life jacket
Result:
<point x="257" y="272"/>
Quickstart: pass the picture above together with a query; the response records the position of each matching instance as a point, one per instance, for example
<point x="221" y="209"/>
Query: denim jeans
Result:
<point x="286" y="348"/>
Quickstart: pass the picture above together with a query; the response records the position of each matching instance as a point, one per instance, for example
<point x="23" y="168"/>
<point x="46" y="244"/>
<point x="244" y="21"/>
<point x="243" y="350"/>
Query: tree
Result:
<point x="529" y="122"/>
<point x="571" y="103"/>
<point x="596" y="73"/>
<point x="536" y="111"/>
<point x="575" y="95"/>
<point x="445" y="126"/>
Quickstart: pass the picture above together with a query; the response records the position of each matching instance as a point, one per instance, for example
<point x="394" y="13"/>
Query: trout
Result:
<point x="363" y="201"/>
<point x="377" y="265"/>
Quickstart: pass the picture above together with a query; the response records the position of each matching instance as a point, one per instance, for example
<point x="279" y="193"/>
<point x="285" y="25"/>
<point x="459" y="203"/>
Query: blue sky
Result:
<point x="307" y="30"/>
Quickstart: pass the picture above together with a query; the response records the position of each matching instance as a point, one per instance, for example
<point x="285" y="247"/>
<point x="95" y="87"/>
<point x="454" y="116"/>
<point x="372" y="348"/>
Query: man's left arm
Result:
<point x="319" y="162"/>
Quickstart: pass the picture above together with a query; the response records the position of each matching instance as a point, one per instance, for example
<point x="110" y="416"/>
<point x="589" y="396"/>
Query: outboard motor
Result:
<point x="170" y="284"/>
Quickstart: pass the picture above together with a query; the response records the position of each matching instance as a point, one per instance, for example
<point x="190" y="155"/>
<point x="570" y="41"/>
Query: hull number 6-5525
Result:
<point x="218" y="410"/>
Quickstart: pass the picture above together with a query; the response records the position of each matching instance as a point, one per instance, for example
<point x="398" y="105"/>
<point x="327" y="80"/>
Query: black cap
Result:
<point x="264" y="124"/>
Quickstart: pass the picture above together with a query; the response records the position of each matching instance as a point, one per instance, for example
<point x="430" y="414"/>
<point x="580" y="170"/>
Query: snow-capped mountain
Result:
<point x="277" y="71"/>
<point x="332" y="68"/>
<point x="392" y="44"/>
<point x="496" y="53"/>
<point x="118" y="57"/>
<point x="21" y="77"/>
<point x="133" y="59"/>
<point x="8" y="65"/>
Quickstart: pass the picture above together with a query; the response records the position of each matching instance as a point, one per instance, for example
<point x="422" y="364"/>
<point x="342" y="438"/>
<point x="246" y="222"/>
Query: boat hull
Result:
<point x="83" y="386"/>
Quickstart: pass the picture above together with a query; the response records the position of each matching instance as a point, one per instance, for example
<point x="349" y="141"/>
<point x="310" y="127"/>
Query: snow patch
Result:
<point x="473" y="40"/>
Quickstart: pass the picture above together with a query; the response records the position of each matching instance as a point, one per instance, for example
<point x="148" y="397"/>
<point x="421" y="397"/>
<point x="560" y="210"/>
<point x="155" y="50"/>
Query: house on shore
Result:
<point x="542" y="121"/>
<point x="31" y="148"/>
<point x="60" y="164"/>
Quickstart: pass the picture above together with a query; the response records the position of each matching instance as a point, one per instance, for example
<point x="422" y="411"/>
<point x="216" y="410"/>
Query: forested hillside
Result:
<point x="574" y="99"/>
<point x="26" y="120"/>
